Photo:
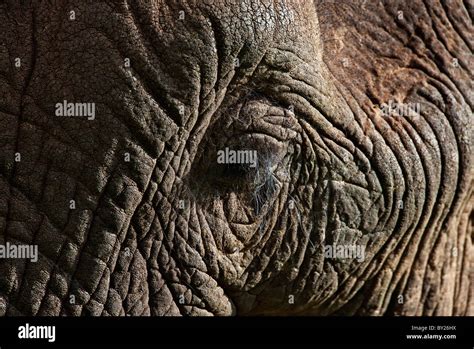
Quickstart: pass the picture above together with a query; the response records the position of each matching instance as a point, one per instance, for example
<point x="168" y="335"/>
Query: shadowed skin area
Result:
<point x="158" y="227"/>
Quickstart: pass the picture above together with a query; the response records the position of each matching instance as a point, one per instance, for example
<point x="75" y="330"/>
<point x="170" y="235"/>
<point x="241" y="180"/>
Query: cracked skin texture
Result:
<point x="170" y="232"/>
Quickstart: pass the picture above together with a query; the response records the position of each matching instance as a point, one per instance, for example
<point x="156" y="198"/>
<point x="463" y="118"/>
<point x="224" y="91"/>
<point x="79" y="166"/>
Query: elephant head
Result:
<point x="231" y="158"/>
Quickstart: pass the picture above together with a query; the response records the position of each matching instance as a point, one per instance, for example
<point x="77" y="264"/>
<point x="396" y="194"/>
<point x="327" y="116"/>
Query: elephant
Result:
<point x="200" y="158"/>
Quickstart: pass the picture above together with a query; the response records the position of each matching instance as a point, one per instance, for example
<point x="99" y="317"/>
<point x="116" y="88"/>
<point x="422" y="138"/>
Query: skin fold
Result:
<point x="157" y="226"/>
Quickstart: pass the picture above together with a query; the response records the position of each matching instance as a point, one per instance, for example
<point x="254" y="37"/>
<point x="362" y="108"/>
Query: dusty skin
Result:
<point x="132" y="214"/>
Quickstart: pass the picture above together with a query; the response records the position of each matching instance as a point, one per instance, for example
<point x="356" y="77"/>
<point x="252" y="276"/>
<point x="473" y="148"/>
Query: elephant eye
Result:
<point x="234" y="168"/>
<point x="245" y="154"/>
<point x="233" y="171"/>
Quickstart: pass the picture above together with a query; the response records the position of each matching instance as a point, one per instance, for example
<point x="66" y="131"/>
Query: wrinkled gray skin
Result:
<point x="171" y="232"/>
